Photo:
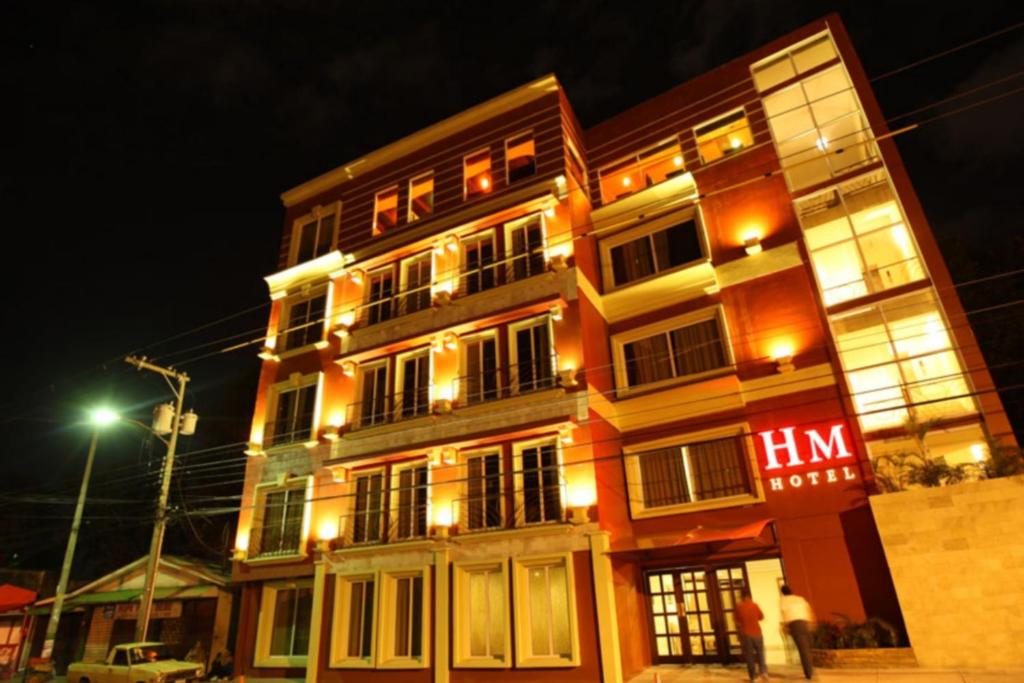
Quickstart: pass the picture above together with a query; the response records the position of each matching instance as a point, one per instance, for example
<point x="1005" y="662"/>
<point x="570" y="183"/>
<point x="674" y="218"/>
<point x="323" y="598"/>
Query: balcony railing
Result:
<point x="387" y="408"/>
<point x="491" y="384"/>
<point x="275" y="541"/>
<point x="470" y="281"/>
<point x="287" y="431"/>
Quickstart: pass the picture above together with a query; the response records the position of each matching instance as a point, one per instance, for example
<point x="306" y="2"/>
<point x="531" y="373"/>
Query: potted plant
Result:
<point x="845" y="644"/>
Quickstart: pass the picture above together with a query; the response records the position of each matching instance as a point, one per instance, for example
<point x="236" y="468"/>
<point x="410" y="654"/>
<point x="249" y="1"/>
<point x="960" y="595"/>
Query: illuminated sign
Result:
<point x="788" y="448"/>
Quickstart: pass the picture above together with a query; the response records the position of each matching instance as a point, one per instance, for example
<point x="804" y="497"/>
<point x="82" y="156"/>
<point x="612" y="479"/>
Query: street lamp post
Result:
<point x="100" y="418"/>
<point x="160" y="524"/>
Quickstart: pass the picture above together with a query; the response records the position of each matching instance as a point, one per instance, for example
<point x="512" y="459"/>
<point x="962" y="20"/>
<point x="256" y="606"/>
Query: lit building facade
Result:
<point x="538" y="402"/>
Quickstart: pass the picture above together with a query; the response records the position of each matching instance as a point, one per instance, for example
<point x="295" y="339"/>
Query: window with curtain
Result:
<point x="293" y="608"/>
<point x="281" y="528"/>
<point x="541" y="484"/>
<point x="415" y="388"/>
<point x="409" y="502"/>
<point x="479" y="269"/>
<point x="373" y="408"/>
<point x="481" y="381"/>
<point x="483" y="504"/>
<point x="293" y="416"/>
<point x="305" y="322"/>
<point x="385" y="210"/>
<point x="688" y="350"/>
<point x="520" y="157"/>
<point x="694" y="472"/>
<point x="416" y="273"/>
<point x="481" y="615"/>
<point x="407" y="635"/>
<point x="421" y="197"/>
<point x="656" y="252"/>
<point x="367" y="507"/>
<point x="544" y="612"/>
<point x="357" y="611"/>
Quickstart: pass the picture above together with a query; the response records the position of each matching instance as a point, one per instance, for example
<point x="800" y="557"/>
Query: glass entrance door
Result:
<point x="692" y="615"/>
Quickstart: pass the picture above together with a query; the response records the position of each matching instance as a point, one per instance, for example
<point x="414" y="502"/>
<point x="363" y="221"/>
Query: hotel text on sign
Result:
<point x="790" y="448"/>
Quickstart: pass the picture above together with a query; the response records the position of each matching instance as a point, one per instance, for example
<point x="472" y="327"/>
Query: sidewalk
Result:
<point x="721" y="674"/>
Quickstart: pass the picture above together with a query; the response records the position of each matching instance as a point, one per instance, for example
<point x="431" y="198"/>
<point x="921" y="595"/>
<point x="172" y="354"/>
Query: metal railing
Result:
<point x="387" y="408"/>
<point x="282" y="432"/>
<point x="491" y="384"/>
<point x="275" y="541"/>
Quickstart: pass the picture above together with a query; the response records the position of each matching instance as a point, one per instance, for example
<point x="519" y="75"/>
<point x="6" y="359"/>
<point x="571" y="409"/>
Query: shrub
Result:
<point x="844" y="634"/>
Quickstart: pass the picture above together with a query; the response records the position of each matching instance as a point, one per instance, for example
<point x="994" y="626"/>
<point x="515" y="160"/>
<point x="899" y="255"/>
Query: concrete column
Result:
<point x="604" y="599"/>
<point x="313" y="658"/>
<point x="442" y="602"/>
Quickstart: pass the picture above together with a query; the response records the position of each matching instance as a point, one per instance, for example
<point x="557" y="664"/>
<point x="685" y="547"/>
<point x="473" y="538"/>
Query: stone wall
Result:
<point x="956" y="554"/>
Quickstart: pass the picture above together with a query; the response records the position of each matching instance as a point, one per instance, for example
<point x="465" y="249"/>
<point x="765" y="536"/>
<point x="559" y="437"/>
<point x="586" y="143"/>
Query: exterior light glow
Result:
<point x="549" y="212"/>
<point x="678" y="160"/>
<point x="327" y="530"/>
<point x="348" y="368"/>
<point x="565" y="433"/>
<point x="978" y="452"/>
<point x="821" y="143"/>
<point x="627" y="181"/>
<point x="485" y="183"/>
<point x="451" y="341"/>
<point x="356" y="276"/>
<point x="735" y="143"/>
<point x="556" y="312"/>
<point x="452" y="243"/>
<point x="782" y="354"/>
<point x="752" y="244"/>
<point x="101" y="417"/>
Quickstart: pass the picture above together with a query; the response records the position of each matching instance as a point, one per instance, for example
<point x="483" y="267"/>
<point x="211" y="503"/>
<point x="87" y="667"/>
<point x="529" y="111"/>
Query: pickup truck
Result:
<point x="136" y="663"/>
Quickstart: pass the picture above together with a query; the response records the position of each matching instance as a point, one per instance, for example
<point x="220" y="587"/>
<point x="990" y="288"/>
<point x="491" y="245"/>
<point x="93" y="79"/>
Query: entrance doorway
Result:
<point x="692" y="615"/>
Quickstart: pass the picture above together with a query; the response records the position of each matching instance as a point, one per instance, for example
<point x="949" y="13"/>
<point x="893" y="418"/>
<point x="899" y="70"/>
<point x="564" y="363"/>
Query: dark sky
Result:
<point x="147" y="143"/>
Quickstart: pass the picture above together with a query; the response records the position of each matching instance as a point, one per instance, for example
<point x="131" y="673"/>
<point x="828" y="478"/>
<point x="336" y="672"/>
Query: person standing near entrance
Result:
<point x="799" y="620"/>
<point x="748" y="617"/>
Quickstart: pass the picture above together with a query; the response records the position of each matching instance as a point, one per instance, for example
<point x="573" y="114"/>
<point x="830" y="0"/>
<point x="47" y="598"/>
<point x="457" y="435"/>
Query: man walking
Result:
<point x="799" y="620"/>
<point x="748" y="615"/>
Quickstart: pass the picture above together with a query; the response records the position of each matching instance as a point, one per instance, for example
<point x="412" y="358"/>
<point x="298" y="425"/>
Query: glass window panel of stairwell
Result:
<point x="812" y="120"/>
<point x="900" y="363"/>
<point x="858" y="239"/>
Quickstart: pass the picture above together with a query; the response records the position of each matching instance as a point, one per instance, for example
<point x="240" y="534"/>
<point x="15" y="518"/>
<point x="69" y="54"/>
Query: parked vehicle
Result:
<point x="136" y="663"/>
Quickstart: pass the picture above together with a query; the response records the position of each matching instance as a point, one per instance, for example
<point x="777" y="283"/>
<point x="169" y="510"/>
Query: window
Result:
<point x="533" y="356"/>
<point x="545" y="612"/>
<point x="525" y="246"/>
<point x="692" y="472"/>
<point x="305" y="322"/>
<point x="413" y="388"/>
<point x="367" y="507"/>
<point x="379" y="302"/>
<point x="637" y="172"/>
<point x="482" y="507"/>
<point x="857" y="239"/>
<point x="724" y="136"/>
<point x="520" y="157"/>
<point x="293" y="415"/>
<point x="405" y="613"/>
<point x="373" y="407"/>
<point x="811" y="120"/>
<point x="684" y="351"/>
<point x="900" y="363"/>
<point x="280" y="530"/>
<point x="283" y="631"/>
<point x="656" y="252"/>
<point x="476" y="173"/>
<point x="416" y="278"/>
<point x="481" y="381"/>
<point x="479" y="270"/>
<point x="796" y="60"/>
<point x="353" y="641"/>
<point x="314" y="236"/>
<point x="540" y="483"/>
<point x="385" y="210"/>
<point x="421" y="197"/>
<point x="409" y="494"/>
<point x="481" y="615"/>
<point x="10" y="631"/>
<point x="120" y="657"/>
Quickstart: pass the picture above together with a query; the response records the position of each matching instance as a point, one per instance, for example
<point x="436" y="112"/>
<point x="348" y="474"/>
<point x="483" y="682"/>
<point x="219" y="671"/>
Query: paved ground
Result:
<point x="721" y="674"/>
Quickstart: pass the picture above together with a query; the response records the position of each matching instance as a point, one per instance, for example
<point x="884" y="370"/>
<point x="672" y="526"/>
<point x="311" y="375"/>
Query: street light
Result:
<point x="99" y="418"/>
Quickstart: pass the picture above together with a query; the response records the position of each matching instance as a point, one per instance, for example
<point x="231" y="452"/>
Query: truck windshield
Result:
<point x="150" y="653"/>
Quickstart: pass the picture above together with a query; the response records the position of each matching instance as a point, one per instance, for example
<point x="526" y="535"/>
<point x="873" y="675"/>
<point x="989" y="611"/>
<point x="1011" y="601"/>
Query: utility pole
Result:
<point x="69" y="553"/>
<point x="157" y="542"/>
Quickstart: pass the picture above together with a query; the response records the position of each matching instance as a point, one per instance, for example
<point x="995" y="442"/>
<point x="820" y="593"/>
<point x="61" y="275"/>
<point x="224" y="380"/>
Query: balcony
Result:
<point x="674" y="192"/>
<point x="275" y="541"/>
<point x="502" y="398"/>
<point x="287" y="432"/>
<point x="478" y="293"/>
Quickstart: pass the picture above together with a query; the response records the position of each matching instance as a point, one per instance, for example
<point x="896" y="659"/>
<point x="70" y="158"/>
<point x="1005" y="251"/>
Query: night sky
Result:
<point x="147" y="144"/>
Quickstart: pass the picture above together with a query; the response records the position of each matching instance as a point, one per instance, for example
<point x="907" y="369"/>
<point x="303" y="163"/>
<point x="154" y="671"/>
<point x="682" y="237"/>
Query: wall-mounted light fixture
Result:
<point x="348" y="368"/>
<point x="556" y="312"/>
<point x="752" y="244"/>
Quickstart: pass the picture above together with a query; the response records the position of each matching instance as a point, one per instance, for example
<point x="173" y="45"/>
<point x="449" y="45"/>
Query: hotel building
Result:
<point x="537" y="402"/>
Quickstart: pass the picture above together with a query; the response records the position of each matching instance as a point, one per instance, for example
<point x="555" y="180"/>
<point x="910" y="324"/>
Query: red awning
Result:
<point x="14" y="598"/>
<point x="697" y="535"/>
